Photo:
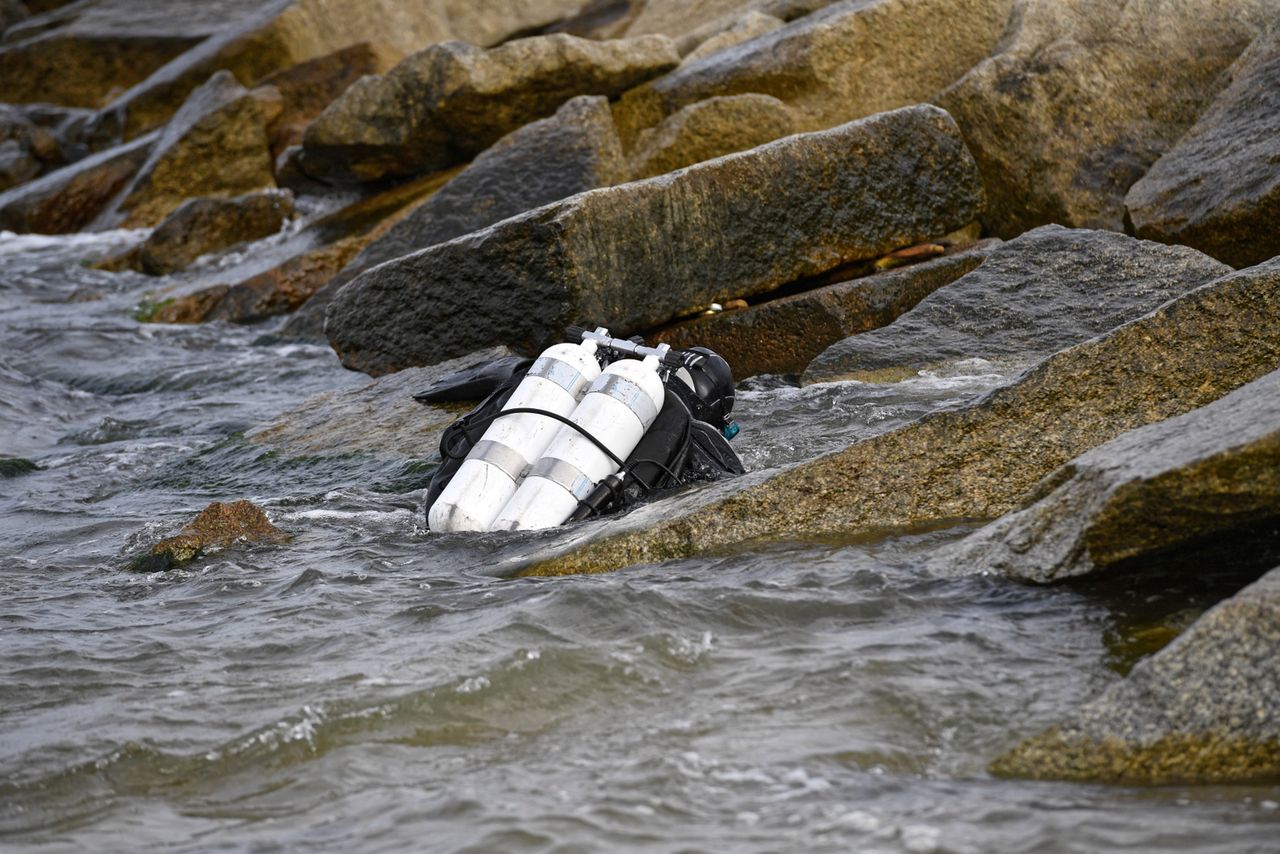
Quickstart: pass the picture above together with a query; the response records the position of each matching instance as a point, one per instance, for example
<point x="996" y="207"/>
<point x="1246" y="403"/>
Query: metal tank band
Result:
<point x="498" y="455"/>
<point x="565" y="475"/>
<point x="561" y="373"/>
<point x="629" y="394"/>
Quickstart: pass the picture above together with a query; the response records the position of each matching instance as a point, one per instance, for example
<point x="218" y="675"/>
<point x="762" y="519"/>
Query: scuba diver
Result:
<point x="590" y="427"/>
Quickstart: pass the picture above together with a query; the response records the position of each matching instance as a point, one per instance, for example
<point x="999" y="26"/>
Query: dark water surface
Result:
<point x="372" y="687"/>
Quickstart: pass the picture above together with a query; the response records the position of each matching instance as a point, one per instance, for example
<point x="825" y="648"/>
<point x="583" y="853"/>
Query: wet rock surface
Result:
<point x="85" y="53"/>
<point x="447" y="103"/>
<point x="783" y="336"/>
<point x="1047" y="289"/>
<point x="1202" y="710"/>
<point x="71" y="198"/>
<point x="216" y="145"/>
<point x="380" y="417"/>
<point x="201" y="226"/>
<point x="733" y="227"/>
<point x="711" y="128"/>
<point x="849" y="60"/>
<point x="1082" y="98"/>
<point x="979" y="461"/>
<point x="570" y="152"/>
<point x="1155" y="489"/>
<point x="218" y="526"/>
<point x="1218" y="189"/>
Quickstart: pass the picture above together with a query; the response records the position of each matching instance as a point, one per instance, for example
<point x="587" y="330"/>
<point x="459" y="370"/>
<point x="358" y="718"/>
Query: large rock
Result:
<point x="782" y="336"/>
<point x="640" y="254"/>
<point x="1218" y="189"/>
<point x="449" y="102"/>
<point x="283" y="33"/>
<point x="71" y="198"/>
<point x="308" y="87"/>
<point x="979" y="461"/>
<point x="201" y="226"/>
<point x="847" y="61"/>
<point x="216" y="145"/>
<point x="82" y="55"/>
<point x="571" y="152"/>
<point x="711" y="128"/>
<point x="1202" y="710"/>
<point x="1152" y="490"/>
<point x="1083" y="97"/>
<point x="1048" y="289"/>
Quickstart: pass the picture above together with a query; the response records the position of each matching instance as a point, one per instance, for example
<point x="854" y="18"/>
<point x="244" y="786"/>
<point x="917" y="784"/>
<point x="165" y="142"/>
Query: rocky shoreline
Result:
<point x="1089" y="193"/>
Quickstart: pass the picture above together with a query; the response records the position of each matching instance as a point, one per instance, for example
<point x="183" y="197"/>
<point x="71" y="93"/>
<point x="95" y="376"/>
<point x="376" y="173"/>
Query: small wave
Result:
<point x="14" y="244"/>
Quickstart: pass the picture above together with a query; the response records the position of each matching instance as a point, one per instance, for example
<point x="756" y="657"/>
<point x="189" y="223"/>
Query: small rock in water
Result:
<point x="218" y="526"/>
<point x="16" y="466"/>
<point x="201" y="226"/>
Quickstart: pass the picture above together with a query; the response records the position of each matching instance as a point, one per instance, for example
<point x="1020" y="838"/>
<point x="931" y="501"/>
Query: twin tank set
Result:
<point x="530" y="471"/>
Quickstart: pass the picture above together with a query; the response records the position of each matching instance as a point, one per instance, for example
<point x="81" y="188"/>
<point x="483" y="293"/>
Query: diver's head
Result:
<point x="711" y="381"/>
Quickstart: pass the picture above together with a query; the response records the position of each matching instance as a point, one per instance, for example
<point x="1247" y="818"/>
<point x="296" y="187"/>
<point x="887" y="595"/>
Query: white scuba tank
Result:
<point x="620" y="406"/>
<point x="493" y="469"/>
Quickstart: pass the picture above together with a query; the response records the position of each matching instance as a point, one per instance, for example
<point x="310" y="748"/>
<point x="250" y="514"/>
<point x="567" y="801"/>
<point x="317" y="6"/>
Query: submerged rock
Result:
<point x="1083" y="97"/>
<point x="782" y="336"/>
<point x="1152" y="490"/>
<point x="201" y="226"/>
<point x="1218" y="189"/>
<point x="1045" y="290"/>
<point x="217" y="526"/>
<point x="1202" y="710"/>
<point x="640" y="254"/>
<point x="449" y="102"/>
<point x="216" y="145"/>
<point x="708" y="129"/>
<point x="16" y="467"/>
<point x="380" y="417"/>
<point x="844" y="62"/>
<point x="26" y="148"/>
<point x="979" y="461"/>
<point x="71" y="198"/>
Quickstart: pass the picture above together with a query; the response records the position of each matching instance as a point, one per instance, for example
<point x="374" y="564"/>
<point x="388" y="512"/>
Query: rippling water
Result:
<point x="369" y="686"/>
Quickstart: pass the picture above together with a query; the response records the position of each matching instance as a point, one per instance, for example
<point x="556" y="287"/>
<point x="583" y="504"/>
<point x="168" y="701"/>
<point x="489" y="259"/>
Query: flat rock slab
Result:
<point x="981" y="460"/>
<point x="380" y="417"/>
<point x="1045" y="290"/>
<point x="641" y="254"/>
<point x="783" y="336"/>
<point x="1202" y="710"/>
<point x="1151" y="490"/>
<point x="71" y="198"/>
<point x="846" y="61"/>
<point x="1218" y="189"/>
<point x="1082" y="98"/>
<point x="447" y="103"/>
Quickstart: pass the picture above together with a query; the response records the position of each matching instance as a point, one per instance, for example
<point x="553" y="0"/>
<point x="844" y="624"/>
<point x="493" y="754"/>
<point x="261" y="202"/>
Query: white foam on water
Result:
<point x="15" y="244"/>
